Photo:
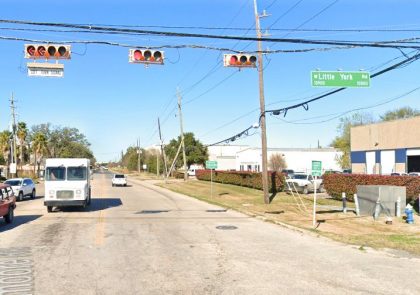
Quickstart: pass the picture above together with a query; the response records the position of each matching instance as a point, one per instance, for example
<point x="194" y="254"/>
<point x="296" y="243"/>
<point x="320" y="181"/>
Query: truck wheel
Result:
<point x="49" y="209"/>
<point x="33" y="196"/>
<point x="10" y="215"/>
<point x="20" y="197"/>
<point x="305" y="190"/>
<point x="89" y="199"/>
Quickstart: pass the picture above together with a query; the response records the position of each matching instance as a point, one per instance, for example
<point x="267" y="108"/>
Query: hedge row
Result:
<point x="242" y="178"/>
<point x="335" y="184"/>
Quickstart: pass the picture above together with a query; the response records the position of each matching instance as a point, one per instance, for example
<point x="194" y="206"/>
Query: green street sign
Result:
<point x="211" y="164"/>
<point x="316" y="168"/>
<point x="340" y="79"/>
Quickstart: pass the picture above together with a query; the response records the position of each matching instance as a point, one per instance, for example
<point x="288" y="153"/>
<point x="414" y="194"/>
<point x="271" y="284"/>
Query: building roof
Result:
<point x="294" y="149"/>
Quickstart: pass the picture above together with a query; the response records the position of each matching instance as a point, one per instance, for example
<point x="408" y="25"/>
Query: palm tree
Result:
<point x="22" y="133"/>
<point x="39" y="147"/>
<point x="5" y="145"/>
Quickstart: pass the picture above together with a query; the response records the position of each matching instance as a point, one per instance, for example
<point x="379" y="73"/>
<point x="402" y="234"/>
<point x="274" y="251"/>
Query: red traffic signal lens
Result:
<point x="41" y="50"/>
<point x="243" y="59"/>
<point x="138" y="55"/>
<point x="233" y="60"/>
<point x="30" y="50"/>
<point x="62" y="51"/>
<point x="157" y="55"/>
<point x="147" y="54"/>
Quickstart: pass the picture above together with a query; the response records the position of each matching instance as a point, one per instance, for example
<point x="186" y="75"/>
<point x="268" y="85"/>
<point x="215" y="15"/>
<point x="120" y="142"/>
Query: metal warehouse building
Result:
<point x="386" y="147"/>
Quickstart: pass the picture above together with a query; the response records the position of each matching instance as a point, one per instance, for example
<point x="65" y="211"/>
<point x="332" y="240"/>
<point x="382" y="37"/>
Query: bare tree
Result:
<point x="277" y="162"/>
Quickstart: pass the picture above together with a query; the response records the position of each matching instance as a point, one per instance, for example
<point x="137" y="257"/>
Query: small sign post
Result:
<point x="316" y="171"/>
<point x="211" y="165"/>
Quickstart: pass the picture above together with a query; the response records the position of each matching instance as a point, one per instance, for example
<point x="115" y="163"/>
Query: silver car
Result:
<point x="22" y="187"/>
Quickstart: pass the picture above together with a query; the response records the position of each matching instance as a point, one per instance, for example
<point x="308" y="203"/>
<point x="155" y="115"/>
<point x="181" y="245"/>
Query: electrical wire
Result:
<point x="305" y="104"/>
<point x="341" y="114"/>
<point x="378" y="44"/>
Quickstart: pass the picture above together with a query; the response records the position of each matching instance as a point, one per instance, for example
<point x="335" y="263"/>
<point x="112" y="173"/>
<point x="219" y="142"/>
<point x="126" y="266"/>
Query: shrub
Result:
<point x="242" y="178"/>
<point x="335" y="184"/>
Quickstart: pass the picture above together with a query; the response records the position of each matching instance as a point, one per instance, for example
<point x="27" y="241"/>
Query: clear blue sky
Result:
<point x="113" y="102"/>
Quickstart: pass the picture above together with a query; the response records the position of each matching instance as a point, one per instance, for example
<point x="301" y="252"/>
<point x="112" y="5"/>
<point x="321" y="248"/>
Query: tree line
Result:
<point x="196" y="153"/>
<point x="43" y="141"/>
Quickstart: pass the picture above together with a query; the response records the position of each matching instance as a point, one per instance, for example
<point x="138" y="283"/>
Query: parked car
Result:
<point x="119" y="179"/>
<point x="7" y="202"/>
<point x="22" y="187"/>
<point x="305" y="183"/>
<point x="398" y="174"/>
<point x="414" y="174"/>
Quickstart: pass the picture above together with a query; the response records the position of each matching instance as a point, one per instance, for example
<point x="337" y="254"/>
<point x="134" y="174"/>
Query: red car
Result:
<point x="7" y="202"/>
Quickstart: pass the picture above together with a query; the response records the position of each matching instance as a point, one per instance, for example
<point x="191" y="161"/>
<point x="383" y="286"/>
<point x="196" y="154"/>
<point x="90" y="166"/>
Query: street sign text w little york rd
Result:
<point x="340" y="79"/>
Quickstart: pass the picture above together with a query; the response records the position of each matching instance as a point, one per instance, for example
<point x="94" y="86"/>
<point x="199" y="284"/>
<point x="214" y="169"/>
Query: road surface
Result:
<point x="143" y="239"/>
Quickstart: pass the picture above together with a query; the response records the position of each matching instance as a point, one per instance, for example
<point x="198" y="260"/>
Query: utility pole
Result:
<point x="139" y="155"/>
<point x="157" y="164"/>
<point x="182" y="133"/>
<point x="162" y="148"/>
<point x="13" y="145"/>
<point x="262" y="108"/>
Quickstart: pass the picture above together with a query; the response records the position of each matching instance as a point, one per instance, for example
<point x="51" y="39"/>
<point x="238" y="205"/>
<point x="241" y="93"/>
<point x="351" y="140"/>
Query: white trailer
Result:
<point x="67" y="183"/>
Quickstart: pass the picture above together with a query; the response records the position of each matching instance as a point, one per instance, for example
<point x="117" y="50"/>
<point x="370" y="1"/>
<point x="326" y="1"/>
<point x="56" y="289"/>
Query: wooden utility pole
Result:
<point x="157" y="164"/>
<point x="182" y="134"/>
<point x="162" y="148"/>
<point x="262" y="108"/>
<point x="139" y="155"/>
<point x="13" y="145"/>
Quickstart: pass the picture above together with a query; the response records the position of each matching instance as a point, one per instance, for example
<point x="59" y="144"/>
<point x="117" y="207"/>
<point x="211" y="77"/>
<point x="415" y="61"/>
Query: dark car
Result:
<point x="7" y="202"/>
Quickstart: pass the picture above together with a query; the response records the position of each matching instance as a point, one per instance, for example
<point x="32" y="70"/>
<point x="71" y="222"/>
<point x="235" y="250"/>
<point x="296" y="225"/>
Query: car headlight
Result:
<point x="78" y="192"/>
<point x="51" y="192"/>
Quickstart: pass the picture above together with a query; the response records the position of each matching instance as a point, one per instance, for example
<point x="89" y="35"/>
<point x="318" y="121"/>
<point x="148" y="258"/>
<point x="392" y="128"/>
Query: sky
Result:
<point x="114" y="103"/>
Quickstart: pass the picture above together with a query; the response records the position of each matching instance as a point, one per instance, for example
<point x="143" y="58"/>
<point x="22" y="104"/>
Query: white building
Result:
<point x="225" y="155"/>
<point x="298" y="159"/>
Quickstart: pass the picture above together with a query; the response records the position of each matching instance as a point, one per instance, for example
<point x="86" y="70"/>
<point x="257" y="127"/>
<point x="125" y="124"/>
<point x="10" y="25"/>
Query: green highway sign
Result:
<point x="340" y="79"/>
<point x="211" y="164"/>
<point x="316" y="168"/>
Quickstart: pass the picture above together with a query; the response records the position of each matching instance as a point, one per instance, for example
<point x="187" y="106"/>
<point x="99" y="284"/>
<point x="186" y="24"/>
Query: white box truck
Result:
<point x="67" y="183"/>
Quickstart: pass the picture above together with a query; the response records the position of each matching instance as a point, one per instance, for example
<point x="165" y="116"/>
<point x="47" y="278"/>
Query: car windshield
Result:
<point x="76" y="173"/>
<point x="55" y="173"/>
<point x="14" y="182"/>
<point x="300" y="176"/>
<point x="119" y="176"/>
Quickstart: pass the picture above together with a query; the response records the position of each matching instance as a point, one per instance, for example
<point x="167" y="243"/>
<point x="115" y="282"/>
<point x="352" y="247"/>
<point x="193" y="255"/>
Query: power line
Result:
<point x="284" y="111"/>
<point x="314" y="16"/>
<point x="341" y="114"/>
<point x="378" y="44"/>
<point x="285" y="13"/>
<point x="305" y="104"/>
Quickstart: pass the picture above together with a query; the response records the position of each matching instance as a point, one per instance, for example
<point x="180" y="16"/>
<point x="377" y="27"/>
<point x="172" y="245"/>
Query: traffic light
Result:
<point x="47" y="51"/>
<point x="240" y="60"/>
<point x="145" y="56"/>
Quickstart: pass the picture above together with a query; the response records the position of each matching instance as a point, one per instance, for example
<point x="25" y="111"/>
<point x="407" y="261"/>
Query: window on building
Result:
<point x="249" y="168"/>
<point x="241" y="167"/>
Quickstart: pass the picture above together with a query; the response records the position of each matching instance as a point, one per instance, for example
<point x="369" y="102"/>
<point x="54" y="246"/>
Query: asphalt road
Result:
<point x="145" y="240"/>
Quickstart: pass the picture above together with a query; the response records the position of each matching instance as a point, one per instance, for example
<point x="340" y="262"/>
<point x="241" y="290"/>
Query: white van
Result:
<point x="67" y="183"/>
